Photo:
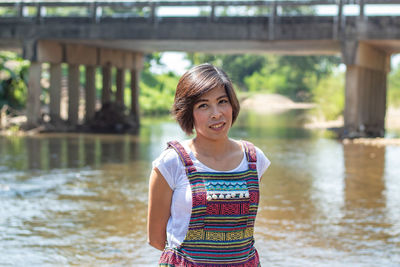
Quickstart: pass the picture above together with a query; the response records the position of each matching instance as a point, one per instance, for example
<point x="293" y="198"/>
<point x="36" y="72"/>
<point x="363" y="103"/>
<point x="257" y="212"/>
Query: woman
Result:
<point x="203" y="192"/>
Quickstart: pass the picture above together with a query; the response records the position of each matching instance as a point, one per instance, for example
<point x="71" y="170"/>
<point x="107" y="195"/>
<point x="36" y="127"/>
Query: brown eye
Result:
<point x="202" y="106"/>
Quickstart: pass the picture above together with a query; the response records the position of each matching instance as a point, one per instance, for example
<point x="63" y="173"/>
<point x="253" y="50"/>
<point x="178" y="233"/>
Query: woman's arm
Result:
<point x="159" y="209"/>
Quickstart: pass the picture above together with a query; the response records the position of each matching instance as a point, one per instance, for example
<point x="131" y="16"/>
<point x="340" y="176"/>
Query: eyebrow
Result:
<point x="206" y="100"/>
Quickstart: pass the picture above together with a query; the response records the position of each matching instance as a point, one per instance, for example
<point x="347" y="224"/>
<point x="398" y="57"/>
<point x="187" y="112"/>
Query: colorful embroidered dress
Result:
<point x="224" y="208"/>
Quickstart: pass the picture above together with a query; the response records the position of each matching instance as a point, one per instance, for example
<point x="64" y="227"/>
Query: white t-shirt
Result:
<point x="171" y="167"/>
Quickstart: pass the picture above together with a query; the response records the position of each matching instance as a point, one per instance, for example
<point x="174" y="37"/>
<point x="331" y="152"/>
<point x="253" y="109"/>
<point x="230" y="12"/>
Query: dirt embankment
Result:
<point x="274" y="103"/>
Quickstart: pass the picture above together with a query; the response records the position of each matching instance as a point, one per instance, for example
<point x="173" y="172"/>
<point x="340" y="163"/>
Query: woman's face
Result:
<point x="212" y="114"/>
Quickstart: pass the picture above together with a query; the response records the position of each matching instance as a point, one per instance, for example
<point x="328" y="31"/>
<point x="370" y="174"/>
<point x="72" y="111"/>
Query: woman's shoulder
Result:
<point x="168" y="156"/>
<point x="259" y="152"/>
<point x="171" y="167"/>
<point x="262" y="161"/>
<point x="243" y="144"/>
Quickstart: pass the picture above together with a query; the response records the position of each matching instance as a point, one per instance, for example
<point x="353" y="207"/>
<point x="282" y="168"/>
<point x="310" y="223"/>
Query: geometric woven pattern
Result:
<point x="224" y="208"/>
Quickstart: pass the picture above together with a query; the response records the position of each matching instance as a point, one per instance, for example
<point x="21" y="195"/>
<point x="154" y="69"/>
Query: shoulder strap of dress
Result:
<point x="183" y="155"/>
<point x="251" y="154"/>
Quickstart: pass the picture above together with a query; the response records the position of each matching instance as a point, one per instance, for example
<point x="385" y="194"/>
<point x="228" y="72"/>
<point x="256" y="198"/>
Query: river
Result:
<point x="81" y="199"/>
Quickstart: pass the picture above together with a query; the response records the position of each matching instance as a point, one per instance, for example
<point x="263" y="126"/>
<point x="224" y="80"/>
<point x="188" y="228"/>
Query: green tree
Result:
<point x="8" y="12"/>
<point x="13" y="80"/>
<point x="238" y="66"/>
<point x="293" y="76"/>
<point x="394" y="87"/>
<point x="297" y="10"/>
<point x="271" y="78"/>
<point x="251" y="11"/>
<point x="329" y="96"/>
<point x="157" y="98"/>
<point x="303" y="73"/>
<point x="157" y="91"/>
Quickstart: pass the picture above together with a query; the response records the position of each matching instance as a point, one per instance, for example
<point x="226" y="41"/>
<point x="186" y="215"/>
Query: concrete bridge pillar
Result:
<point x="366" y="78"/>
<point x="34" y="91"/>
<point x="135" y="74"/>
<point x="90" y="92"/>
<point x="120" y="80"/>
<point x="122" y="60"/>
<point x="107" y="83"/>
<point x="47" y="51"/>
<point x="137" y="65"/>
<point x="38" y="52"/>
<point x="73" y="94"/>
<point x="55" y="91"/>
<point x="76" y="55"/>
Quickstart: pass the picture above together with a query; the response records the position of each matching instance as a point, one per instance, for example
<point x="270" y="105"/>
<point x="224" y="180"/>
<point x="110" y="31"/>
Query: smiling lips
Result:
<point x="217" y="126"/>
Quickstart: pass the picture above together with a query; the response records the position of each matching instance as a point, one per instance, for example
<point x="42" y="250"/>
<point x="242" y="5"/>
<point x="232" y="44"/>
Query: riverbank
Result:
<point x="259" y="103"/>
<point x="392" y="121"/>
<point x="377" y="142"/>
<point x="274" y="103"/>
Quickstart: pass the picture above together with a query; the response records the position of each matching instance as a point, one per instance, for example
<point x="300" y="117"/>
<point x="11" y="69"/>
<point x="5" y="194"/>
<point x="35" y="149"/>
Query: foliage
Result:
<point x="394" y="88"/>
<point x="238" y="67"/>
<point x="66" y="11"/>
<point x="293" y="76"/>
<point x="124" y="11"/>
<point x="298" y="10"/>
<point x="262" y="11"/>
<point x="266" y="81"/>
<point x="157" y="93"/>
<point x="8" y="11"/>
<point x="12" y="11"/>
<point x="303" y="73"/>
<point x="329" y="96"/>
<point x="13" y="80"/>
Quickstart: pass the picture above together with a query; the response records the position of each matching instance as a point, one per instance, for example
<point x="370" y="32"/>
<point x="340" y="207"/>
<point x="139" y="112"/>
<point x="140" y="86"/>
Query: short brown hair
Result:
<point x="193" y="84"/>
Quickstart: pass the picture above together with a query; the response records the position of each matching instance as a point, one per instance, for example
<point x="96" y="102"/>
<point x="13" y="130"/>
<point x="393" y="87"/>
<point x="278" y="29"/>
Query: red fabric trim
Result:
<point x="183" y="155"/>
<point x="251" y="154"/>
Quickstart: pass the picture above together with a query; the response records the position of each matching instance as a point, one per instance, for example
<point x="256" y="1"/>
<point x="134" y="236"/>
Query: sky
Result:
<point x="173" y="61"/>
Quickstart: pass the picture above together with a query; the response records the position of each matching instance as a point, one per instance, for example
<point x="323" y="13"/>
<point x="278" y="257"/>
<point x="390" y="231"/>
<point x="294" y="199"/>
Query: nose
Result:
<point x="216" y="112"/>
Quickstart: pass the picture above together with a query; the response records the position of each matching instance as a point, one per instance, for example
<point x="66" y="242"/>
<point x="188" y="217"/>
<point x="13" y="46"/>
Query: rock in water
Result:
<point x="112" y="118"/>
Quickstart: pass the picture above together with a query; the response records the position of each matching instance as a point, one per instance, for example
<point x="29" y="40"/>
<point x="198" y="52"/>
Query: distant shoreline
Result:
<point x="263" y="104"/>
<point x="274" y="103"/>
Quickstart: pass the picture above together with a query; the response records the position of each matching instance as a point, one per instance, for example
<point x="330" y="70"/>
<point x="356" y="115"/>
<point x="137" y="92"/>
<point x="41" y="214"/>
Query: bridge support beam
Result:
<point x="135" y="95"/>
<point x="107" y="83"/>
<point x="136" y="65"/>
<point x="120" y="80"/>
<point x="366" y="78"/>
<point x="75" y="55"/>
<point x="73" y="94"/>
<point x="52" y="52"/>
<point x="90" y="92"/>
<point x="34" y="91"/>
<point x="55" y="91"/>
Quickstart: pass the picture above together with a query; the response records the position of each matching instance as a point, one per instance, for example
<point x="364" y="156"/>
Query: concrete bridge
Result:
<point x="117" y="34"/>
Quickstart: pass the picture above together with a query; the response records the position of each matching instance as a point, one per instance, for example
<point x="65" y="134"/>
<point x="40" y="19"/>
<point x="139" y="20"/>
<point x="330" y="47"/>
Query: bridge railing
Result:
<point x="95" y="11"/>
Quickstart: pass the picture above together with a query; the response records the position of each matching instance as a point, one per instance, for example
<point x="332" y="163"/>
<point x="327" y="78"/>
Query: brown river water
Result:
<point x="81" y="200"/>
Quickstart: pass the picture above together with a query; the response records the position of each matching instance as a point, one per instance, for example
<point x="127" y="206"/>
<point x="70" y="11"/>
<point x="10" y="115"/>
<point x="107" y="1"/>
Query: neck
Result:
<point x="212" y="148"/>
